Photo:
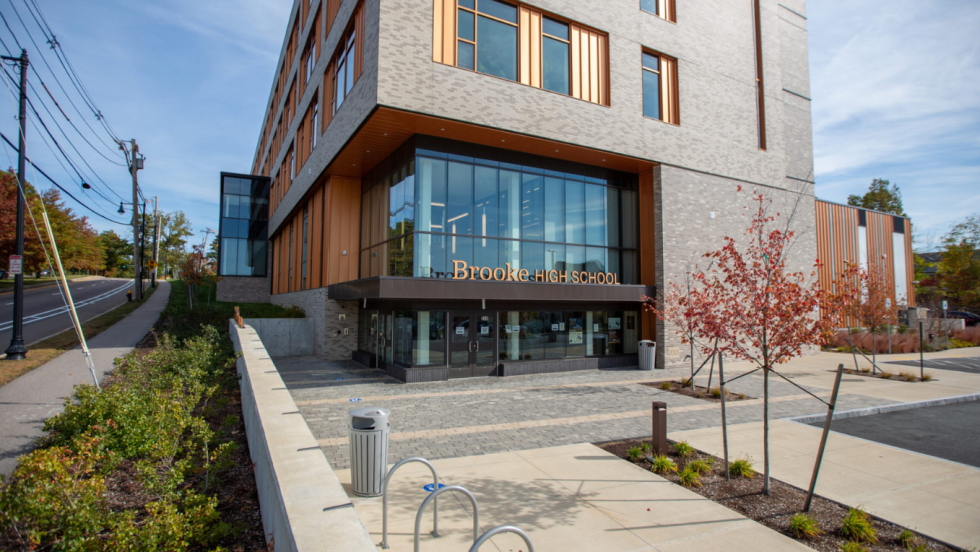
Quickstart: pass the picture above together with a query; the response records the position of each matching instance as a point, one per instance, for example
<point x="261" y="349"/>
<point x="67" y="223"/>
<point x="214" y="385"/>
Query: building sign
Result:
<point x="16" y="265"/>
<point x="462" y="271"/>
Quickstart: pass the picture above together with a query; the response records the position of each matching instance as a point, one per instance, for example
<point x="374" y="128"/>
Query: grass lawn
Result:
<point x="8" y="284"/>
<point x="52" y="347"/>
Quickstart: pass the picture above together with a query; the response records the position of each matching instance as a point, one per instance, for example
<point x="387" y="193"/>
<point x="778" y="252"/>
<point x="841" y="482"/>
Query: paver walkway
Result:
<point x="568" y="499"/>
<point x="37" y="395"/>
<point x="488" y="415"/>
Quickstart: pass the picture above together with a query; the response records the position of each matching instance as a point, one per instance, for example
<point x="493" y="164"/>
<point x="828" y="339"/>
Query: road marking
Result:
<point x="60" y="310"/>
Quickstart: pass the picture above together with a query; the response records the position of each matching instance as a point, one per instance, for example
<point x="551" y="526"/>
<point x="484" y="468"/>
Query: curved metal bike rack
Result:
<point x="502" y="529"/>
<point x="384" y="493"/>
<point x="436" y="493"/>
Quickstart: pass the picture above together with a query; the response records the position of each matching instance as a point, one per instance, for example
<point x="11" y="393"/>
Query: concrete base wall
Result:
<point x="334" y="322"/>
<point x="239" y="289"/>
<point x="304" y="506"/>
<point x="284" y="336"/>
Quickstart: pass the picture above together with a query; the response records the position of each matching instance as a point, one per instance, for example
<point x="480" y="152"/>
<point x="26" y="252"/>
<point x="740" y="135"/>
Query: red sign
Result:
<point x="16" y="265"/>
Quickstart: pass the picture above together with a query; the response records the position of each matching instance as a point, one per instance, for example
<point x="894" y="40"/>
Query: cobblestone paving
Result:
<point x="488" y="415"/>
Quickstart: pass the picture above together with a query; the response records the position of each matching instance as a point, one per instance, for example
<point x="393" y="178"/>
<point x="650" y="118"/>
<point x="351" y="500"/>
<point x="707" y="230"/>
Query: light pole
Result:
<point x="17" y="350"/>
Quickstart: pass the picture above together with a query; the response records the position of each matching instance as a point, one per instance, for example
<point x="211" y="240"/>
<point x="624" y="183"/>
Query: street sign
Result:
<point x="16" y="265"/>
<point x="944" y="302"/>
<point x="152" y="264"/>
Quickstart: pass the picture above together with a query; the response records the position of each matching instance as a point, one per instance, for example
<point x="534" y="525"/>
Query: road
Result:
<point x="949" y="431"/>
<point x="958" y="364"/>
<point x="45" y="313"/>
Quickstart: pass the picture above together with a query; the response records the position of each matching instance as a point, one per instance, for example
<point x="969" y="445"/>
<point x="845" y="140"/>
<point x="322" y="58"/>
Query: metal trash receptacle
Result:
<point x="648" y="354"/>
<point x="369" y="430"/>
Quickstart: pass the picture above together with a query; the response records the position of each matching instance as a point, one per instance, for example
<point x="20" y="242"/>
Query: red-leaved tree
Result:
<point x="757" y="308"/>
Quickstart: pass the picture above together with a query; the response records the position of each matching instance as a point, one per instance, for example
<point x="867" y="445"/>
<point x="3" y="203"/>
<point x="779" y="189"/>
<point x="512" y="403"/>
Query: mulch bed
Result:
<point x="774" y="511"/>
<point x="895" y="376"/>
<point x="698" y="392"/>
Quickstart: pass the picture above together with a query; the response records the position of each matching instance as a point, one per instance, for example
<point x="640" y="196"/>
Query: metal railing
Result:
<point x="502" y="529"/>
<point x="436" y="493"/>
<point x="384" y="494"/>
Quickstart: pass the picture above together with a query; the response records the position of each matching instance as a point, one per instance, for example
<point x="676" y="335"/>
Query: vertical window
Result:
<point x="310" y="62"/>
<point x="661" y="8"/>
<point x="344" y="72"/>
<point x="555" y="54"/>
<point x="292" y="164"/>
<point x="660" y="88"/>
<point x="314" y="122"/>
<point x="651" y="86"/>
<point x="487" y="37"/>
<point x="306" y="224"/>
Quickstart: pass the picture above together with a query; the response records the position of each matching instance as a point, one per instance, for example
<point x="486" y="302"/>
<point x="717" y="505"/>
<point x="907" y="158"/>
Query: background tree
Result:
<point x="174" y="231"/>
<point x="881" y="196"/>
<point x="756" y="308"/>
<point x="212" y="256"/>
<point x="868" y="302"/>
<point x="117" y="254"/>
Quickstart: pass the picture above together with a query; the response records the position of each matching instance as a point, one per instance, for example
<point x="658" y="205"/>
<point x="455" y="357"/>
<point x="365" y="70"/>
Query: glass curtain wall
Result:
<point x="420" y="213"/>
<point x="244" y="226"/>
<point x="540" y="335"/>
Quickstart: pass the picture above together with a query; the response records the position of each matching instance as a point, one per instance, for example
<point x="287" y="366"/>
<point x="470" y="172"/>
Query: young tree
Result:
<point x="174" y="231"/>
<point x="117" y="253"/>
<point x="881" y="196"/>
<point x="755" y="307"/>
<point x="958" y="273"/>
<point x="868" y="301"/>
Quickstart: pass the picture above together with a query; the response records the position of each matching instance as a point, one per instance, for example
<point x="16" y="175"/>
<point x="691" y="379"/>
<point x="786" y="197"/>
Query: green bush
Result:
<point x="716" y="392"/>
<point x="665" y="385"/>
<point x="644" y="446"/>
<point x="804" y="526"/>
<point x="690" y="478"/>
<point x="857" y="527"/>
<point x="634" y="453"/>
<point x="853" y="547"/>
<point x="683" y="449"/>
<point x="741" y="468"/>
<point x="662" y="465"/>
<point x="907" y="539"/>
<point x="702" y="467"/>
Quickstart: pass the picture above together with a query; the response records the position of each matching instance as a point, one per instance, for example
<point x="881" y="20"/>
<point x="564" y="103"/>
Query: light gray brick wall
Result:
<point x="329" y="340"/>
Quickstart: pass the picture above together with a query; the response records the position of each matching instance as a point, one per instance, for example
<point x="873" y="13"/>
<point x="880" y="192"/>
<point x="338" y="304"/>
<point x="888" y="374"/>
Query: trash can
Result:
<point x="648" y="354"/>
<point x="369" y="429"/>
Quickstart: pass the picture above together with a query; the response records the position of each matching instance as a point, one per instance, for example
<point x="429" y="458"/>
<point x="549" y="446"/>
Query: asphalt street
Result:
<point x="950" y="431"/>
<point x="958" y="364"/>
<point x="45" y="313"/>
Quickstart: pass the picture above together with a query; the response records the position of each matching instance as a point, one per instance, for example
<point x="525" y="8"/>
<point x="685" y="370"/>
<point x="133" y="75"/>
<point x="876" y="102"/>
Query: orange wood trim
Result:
<point x="325" y="234"/>
<point x="346" y="208"/>
<point x="909" y="263"/>
<point x="297" y="248"/>
<point x="358" y="40"/>
<point x="316" y="238"/>
<point x="603" y="70"/>
<point x="444" y="31"/>
<point x="275" y="266"/>
<point x="437" y="30"/>
<point x="529" y="28"/>
<point x="333" y="246"/>
<point x="760" y="87"/>
<point x="593" y="67"/>
<point x="575" y="36"/>
<point x="333" y="6"/>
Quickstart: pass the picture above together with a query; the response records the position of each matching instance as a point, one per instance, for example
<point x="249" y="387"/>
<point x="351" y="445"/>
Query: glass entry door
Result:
<point x="385" y="341"/>
<point x="473" y="337"/>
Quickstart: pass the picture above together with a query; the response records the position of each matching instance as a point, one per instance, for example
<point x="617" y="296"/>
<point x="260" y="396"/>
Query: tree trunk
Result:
<point x="765" y="429"/>
<point x="874" y="348"/>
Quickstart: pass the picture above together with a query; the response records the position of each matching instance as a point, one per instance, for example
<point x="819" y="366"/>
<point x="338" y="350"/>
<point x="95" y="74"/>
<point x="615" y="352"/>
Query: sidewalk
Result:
<point x="568" y="499"/>
<point x="37" y="395"/>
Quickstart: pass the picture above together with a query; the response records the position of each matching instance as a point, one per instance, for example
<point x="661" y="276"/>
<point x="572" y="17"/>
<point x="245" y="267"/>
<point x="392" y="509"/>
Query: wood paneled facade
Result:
<point x="332" y="214"/>
<point x="847" y="234"/>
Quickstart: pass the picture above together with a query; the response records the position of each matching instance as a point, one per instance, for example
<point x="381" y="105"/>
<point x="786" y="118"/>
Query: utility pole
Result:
<point x="156" y="230"/>
<point x="137" y="262"/>
<point x="142" y="243"/>
<point x="17" y="350"/>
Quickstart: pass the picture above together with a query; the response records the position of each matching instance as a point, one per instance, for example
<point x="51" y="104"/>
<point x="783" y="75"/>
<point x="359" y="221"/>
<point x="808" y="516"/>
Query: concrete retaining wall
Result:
<point x="284" y="336"/>
<point x="304" y="506"/>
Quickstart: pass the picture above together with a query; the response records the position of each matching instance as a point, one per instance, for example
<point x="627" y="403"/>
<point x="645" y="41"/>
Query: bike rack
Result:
<point x="384" y="493"/>
<point x="436" y="493"/>
<point x="502" y="529"/>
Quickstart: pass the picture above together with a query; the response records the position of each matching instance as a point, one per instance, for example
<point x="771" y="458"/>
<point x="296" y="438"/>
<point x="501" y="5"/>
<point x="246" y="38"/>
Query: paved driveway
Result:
<point x="958" y="364"/>
<point x="488" y="415"/>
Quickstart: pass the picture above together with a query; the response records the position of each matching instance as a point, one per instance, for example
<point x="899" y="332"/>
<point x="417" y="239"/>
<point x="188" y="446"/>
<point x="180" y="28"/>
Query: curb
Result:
<point x="872" y="410"/>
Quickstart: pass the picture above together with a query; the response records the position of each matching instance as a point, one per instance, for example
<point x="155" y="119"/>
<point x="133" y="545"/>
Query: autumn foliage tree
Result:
<point x="867" y="300"/>
<point x="754" y="305"/>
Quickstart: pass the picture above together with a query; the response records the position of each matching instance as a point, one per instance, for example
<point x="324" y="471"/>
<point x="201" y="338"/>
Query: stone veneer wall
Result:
<point x="244" y="289"/>
<point x="329" y="340"/>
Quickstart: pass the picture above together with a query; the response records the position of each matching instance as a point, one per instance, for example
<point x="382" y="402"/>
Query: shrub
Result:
<point x="665" y="385"/>
<point x="687" y="382"/>
<point x="690" y="478"/>
<point x="663" y="465"/>
<point x="683" y="449"/>
<point x="716" y="392"/>
<point x="865" y="370"/>
<point x="742" y="396"/>
<point x="701" y="467"/>
<point x="644" y="446"/>
<point x="634" y="453"/>
<point x="906" y="538"/>
<point x="927" y="376"/>
<point x="886" y="375"/>
<point x="741" y="468"/>
<point x="969" y="335"/>
<point x="908" y="376"/>
<point x="857" y="527"/>
<point x="804" y="526"/>
<point x="853" y="547"/>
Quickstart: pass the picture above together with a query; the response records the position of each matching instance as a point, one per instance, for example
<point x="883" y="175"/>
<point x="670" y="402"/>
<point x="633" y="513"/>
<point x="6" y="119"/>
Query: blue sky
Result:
<point x="894" y="86"/>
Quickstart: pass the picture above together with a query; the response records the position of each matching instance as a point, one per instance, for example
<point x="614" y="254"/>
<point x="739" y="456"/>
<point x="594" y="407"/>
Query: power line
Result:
<point x="80" y="202"/>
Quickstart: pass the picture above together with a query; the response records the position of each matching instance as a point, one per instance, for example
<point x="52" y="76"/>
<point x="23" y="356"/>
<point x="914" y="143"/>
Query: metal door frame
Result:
<point x="472" y="344"/>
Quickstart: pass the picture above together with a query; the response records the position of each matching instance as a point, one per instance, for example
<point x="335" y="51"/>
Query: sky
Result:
<point x="894" y="86"/>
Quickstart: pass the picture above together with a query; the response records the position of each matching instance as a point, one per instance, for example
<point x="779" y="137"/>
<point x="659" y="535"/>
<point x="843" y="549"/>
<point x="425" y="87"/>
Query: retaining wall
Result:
<point x="284" y="336"/>
<point x="304" y="506"/>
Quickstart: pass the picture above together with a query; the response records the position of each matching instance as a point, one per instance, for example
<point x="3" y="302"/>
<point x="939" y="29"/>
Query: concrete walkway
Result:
<point x="569" y="498"/>
<point x="37" y="395"/>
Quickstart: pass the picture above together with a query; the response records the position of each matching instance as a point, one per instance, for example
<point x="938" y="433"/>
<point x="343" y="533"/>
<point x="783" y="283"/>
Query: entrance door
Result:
<point x="473" y="336"/>
<point x="385" y="324"/>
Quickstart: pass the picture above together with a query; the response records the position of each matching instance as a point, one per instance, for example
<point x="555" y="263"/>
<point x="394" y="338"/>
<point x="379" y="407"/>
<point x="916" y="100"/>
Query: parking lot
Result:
<point x="971" y="364"/>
